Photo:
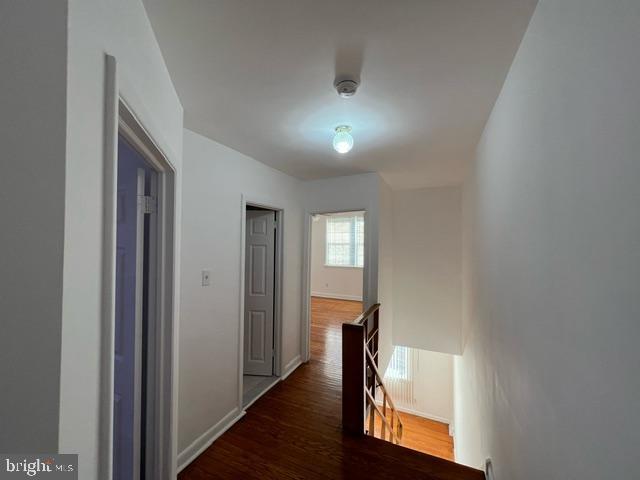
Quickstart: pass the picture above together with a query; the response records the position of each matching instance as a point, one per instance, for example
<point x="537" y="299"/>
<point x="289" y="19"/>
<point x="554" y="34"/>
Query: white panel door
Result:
<point x="259" y="292"/>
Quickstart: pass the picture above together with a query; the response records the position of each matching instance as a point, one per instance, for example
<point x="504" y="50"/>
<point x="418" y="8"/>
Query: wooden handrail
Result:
<point x="366" y="314"/>
<point x="361" y="379"/>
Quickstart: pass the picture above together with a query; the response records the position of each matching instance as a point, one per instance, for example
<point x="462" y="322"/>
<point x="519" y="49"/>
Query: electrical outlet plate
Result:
<point x="206" y="278"/>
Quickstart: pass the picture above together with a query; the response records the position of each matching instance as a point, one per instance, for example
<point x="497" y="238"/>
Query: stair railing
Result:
<point x="361" y="380"/>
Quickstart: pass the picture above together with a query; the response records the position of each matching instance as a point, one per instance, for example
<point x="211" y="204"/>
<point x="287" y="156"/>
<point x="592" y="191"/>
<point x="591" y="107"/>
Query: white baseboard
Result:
<point x="291" y="366"/>
<point x="428" y="416"/>
<point x="203" y="442"/>
<point x="337" y="296"/>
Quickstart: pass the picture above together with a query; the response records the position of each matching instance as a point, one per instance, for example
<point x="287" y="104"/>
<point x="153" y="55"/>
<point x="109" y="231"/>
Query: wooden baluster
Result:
<point x="376" y="328"/>
<point x="384" y="412"/>
<point x="393" y="417"/>
<point x="372" y="421"/>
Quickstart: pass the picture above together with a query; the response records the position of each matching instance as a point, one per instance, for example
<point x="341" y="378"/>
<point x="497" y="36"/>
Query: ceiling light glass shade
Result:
<point x="343" y="141"/>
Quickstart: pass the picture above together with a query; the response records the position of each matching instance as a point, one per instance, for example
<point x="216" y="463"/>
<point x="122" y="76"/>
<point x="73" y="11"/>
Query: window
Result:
<point x="399" y="365"/>
<point x="345" y="241"/>
<point x="399" y="377"/>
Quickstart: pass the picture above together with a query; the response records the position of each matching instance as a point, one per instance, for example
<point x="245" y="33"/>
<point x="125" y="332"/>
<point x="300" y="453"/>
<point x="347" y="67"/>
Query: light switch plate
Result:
<point x="206" y="278"/>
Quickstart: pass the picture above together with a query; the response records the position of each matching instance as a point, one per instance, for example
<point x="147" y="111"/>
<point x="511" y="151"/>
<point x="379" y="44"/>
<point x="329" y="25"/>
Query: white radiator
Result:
<point x="400" y="376"/>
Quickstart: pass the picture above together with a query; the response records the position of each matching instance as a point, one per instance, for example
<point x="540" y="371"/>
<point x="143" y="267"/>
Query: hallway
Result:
<point x="294" y="430"/>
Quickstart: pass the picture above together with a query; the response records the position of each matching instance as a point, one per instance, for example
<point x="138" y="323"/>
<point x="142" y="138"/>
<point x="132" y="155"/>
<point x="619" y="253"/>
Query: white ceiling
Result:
<point x="258" y="77"/>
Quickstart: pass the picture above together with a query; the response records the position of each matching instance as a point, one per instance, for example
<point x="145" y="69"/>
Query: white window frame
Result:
<point x="353" y="244"/>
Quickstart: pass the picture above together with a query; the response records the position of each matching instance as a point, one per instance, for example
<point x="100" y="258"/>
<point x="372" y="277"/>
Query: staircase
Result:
<point x="361" y="411"/>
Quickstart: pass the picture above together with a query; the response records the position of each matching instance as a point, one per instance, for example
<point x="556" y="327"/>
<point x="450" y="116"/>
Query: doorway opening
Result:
<point x="262" y="310"/>
<point x="336" y="268"/>
<point x="136" y="239"/>
<point x="139" y="342"/>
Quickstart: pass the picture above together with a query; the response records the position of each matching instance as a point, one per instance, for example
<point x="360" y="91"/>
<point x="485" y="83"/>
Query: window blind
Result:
<point x="399" y="377"/>
<point x="345" y="241"/>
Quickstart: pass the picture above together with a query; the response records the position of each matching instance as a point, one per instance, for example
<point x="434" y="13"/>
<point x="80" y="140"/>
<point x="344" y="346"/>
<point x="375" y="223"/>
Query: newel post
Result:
<point x="353" y="378"/>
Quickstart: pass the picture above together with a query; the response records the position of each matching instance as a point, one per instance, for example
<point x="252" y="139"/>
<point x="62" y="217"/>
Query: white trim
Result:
<point x="305" y="328"/>
<point x="278" y="325"/>
<point x="205" y="440"/>
<point x="120" y="117"/>
<point x="110" y="187"/>
<point x="243" y="233"/>
<point x="337" y="296"/>
<point x="328" y="265"/>
<point x="290" y="367"/>
<point x="264" y="390"/>
<point x="346" y="213"/>
<point x="428" y="416"/>
<point x="456" y="453"/>
<point x="245" y="200"/>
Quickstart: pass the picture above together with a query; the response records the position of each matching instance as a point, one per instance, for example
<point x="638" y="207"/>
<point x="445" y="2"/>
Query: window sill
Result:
<point x="342" y="266"/>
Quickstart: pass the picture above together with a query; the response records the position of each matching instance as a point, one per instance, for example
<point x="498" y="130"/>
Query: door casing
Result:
<point x="252" y="200"/>
<point x="306" y="272"/>
<point x="120" y="118"/>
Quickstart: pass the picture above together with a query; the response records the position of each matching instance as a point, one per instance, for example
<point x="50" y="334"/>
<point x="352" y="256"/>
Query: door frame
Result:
<point x="249" y="200"/>
<point x="120" y="118"/>
<point x="306" y="271"/>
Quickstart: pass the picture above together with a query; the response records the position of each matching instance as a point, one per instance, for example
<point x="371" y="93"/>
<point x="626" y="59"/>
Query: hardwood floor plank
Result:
<point x="294" y="431"/>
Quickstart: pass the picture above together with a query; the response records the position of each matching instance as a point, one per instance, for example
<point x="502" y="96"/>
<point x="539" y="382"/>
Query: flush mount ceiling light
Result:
<point x="343" y="141"/>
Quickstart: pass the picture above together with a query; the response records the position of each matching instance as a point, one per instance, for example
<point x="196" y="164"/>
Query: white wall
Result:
<point x="120" y="28"/>
<point x="385" y="273"/>
<point x="33" y="83"/>
<point x="433" y="386"/>
<point x="427" y="266"/>
<point x="327" y="281"/>
<point x="549" y="376"/>
<point x="215" y="178"/>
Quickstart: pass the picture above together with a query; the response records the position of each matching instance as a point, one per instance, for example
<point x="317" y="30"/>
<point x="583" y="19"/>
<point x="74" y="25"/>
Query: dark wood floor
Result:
<point x="294" y="431"/>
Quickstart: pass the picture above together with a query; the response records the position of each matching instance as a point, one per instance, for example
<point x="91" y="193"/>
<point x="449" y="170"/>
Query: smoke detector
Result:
<point x="346" y="88"/>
